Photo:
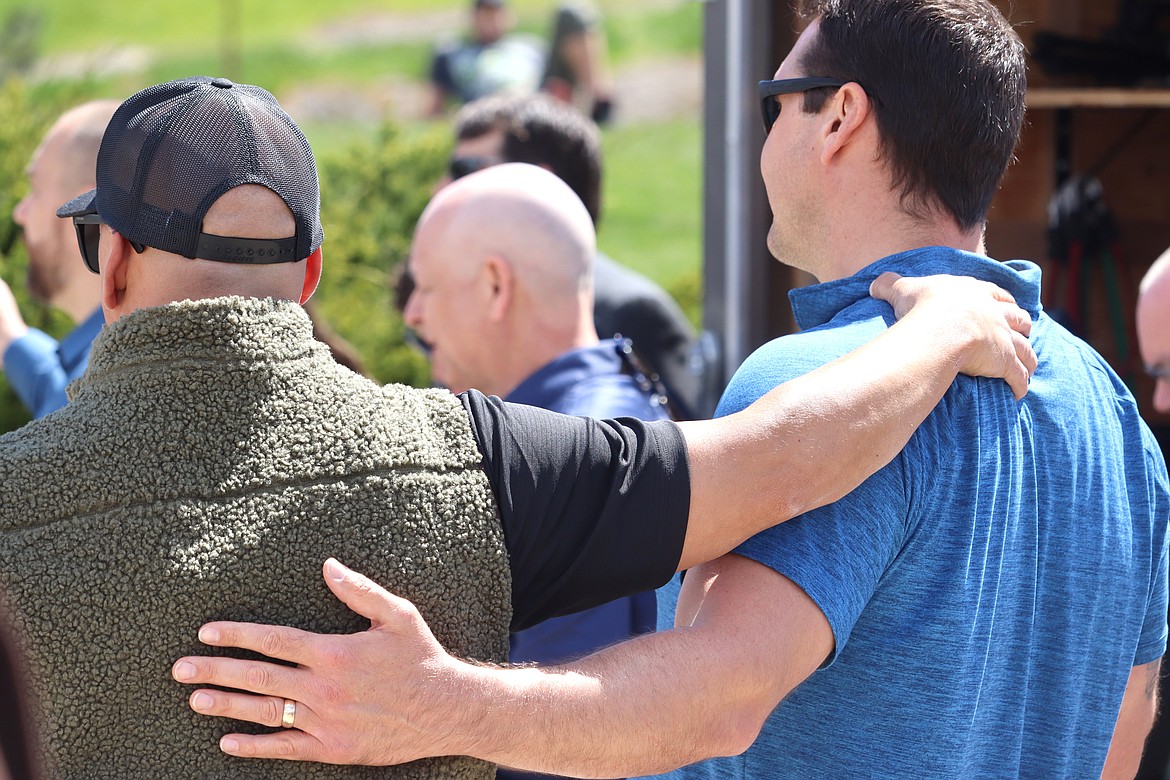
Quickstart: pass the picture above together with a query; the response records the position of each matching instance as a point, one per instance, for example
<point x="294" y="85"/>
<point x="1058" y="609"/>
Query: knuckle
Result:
<point x="257" y="676"/>
<point x="285" y="747"/>
<point x="271" y="712"/>
<point x="272" y="643"/>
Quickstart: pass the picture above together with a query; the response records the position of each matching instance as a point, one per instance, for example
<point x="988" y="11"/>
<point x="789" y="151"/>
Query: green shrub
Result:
<point x="372" y="193"/>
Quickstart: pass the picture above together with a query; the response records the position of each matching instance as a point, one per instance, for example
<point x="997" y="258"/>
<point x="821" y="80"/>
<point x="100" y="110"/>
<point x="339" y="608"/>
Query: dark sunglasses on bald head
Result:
<point x="89" y="230"/>
<point x="769" y="90"/>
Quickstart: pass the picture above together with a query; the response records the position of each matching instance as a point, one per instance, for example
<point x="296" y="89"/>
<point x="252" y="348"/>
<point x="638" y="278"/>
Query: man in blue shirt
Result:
<point x="502" y="263"/>
<point x="38" y="366"/>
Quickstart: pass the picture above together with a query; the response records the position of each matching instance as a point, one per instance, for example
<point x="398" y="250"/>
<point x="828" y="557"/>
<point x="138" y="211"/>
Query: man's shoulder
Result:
<point x="612" y="395"/>
<point x="592" y="382"/>
<point x="616" y="285"/>
<point x="788" y="357"/>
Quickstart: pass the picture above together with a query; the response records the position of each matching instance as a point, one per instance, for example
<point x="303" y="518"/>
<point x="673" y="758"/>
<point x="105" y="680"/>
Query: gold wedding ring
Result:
<point x="290" y="714"/>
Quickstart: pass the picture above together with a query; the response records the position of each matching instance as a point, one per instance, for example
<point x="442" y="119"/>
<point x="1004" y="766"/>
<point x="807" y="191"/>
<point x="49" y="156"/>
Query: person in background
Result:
<point x="541" y="131"/>
<point x="16" y="755"/>
<point x="502" y="261"/>
<point x="576" y="65"/>
<point x="1153" y="332"/>
<point x="1153" y="328"/>
<point x="37" y="366"/>
<point x="492" y="60"/>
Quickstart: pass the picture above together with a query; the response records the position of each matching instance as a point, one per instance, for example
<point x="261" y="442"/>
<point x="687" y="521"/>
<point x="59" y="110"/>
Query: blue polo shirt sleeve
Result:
<point x="837" y="554"/>
<point x="40" y="368"/>
<point x="34" y="370"/>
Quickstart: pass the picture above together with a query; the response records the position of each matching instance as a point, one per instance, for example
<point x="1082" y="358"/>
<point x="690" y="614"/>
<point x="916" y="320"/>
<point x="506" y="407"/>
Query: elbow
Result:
<point x="744" y="727"/>
<point x="730" y="731"/>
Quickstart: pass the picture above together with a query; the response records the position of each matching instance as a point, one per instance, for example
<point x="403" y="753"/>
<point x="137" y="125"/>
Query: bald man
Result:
<point x="38" y="366"/>
<point x="502" y="260"/>
<point x="1153" y="326"/>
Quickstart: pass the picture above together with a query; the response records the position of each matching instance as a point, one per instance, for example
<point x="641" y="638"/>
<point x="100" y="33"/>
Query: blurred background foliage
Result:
<point x="352" y="73"/>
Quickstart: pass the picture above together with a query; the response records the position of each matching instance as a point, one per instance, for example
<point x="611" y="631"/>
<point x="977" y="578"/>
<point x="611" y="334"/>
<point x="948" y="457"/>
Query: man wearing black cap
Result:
<point x="214" y="454"/>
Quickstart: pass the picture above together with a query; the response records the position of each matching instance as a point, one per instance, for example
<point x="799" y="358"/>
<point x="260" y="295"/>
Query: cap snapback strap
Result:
<point x="255" y="251"/>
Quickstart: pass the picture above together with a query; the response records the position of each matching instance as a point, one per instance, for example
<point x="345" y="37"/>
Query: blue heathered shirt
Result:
<point x="589" y="382"/>
<point x="991" y="588"/>
<point x="39" y="368"/>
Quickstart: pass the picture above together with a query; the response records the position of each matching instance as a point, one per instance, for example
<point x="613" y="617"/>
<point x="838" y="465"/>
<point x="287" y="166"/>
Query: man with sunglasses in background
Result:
<point x="38" y="366"/>
<point x="992" y="603"/>
<point x="540" y="130"/>
<point x="214" y="454"/>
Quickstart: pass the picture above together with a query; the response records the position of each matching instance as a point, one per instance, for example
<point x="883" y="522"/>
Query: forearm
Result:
<point x="1139" y="707"/>
<point x="643" y="707"/>
<point x="812" y="440"/>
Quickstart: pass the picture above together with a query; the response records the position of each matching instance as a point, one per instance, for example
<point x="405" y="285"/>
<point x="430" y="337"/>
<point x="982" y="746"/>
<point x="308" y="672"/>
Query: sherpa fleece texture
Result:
<point x="211" y="458"/>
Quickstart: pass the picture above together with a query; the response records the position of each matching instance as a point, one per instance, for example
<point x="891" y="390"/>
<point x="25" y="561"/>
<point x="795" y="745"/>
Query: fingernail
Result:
<point x="208" y="635"/>
<point x="229" y="745"/>
<point x="336" y="570"/>
<point x="185" y="670"/>
<point x="201" y="701"/>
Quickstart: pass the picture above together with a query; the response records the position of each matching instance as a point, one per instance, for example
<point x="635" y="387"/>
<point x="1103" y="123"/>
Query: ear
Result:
<point x="850" y="110"/>
<point x="501" y="286"/>
<point x="312" y="275"/>
<point x="114" y="263"/>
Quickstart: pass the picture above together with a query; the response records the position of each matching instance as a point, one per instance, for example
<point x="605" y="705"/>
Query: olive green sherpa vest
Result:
<point x="211" y="459"/>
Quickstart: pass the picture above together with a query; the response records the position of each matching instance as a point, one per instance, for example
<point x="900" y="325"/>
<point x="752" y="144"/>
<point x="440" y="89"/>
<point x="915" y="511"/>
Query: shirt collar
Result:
<point x="75" y="346"/>
<point x="817" y="304"/>
<point x="559" y="375"/>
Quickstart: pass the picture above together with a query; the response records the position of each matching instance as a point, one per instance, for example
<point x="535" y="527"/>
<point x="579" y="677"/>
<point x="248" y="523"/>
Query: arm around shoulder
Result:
<point x="810" y="441"/>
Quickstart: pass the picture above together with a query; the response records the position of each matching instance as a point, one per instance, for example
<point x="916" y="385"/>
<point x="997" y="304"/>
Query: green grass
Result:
<point x="652" y="199"/>
<point x="199" y="29"/>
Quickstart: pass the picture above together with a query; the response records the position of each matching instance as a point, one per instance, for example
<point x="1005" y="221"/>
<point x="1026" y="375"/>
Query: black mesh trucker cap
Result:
<point x="172" y="149"/>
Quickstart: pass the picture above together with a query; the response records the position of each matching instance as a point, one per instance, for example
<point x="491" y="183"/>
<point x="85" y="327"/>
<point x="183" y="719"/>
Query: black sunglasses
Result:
<point x="89" y="231"/>
<point x="770" y="108"/>
<point x="459" y="167"/>
<point x="1159" y="372"/>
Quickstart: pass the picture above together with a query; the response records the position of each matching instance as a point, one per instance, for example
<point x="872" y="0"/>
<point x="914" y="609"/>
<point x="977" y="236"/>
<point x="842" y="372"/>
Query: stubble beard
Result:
<point x="42" y="283"/>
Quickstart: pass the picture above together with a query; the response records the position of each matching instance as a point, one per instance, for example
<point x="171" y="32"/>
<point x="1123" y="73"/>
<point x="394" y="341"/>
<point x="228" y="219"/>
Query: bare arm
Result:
<point x="12" y="325"/>
<point x="1139" y="706"/>
<point x="810" y="441"/>
<point x="648" y="705"/>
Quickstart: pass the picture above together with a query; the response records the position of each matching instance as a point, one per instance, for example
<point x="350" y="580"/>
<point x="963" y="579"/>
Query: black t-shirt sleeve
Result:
<point x="592" y="509"/>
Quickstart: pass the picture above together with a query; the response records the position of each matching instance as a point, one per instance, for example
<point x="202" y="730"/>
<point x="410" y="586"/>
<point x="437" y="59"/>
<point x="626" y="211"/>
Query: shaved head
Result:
<point x="1153" y="328"/>
<point x="79" y="132"/>
<point x="524" y="214"/>
<point x="247" y="211"/>
<point x="503" y="261"/>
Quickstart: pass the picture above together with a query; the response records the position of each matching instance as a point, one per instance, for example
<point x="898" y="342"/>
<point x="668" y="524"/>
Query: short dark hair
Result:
<point x="947" y="81"/>
<point x="541" y="130"/>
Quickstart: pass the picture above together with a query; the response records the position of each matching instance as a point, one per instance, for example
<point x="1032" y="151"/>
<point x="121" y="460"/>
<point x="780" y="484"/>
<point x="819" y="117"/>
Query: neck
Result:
<point x="546" y="339"/>
<point x="866" y="241"/>
<point x="80" y="297"/>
